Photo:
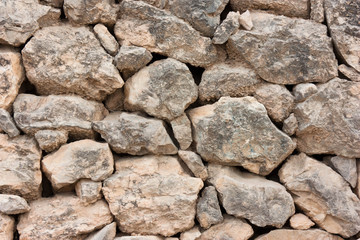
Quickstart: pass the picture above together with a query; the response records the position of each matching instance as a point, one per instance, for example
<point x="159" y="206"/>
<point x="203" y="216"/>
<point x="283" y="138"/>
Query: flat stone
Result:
<point x="51" y="140"/>
<point x="181" y="127"/>
<point x="246" y="195"/>
<point x="80" y="65"/>
<point x="115" y="101"/>
<point x="88" y="191"/>
<point x="7" y="123"/>
<point x="290" y="125"/>
<point x="12" y="204"/>
<point x="350" y="73"/>
<point x="226" y="28"/>
<point x="72" y="114"/>
<point x="107" y="40"/>
<point x="245" y="20"/>
<point x="163" y="194"/>
<point x="303" y="91"/>
<point x="245" y="135"/>
<point x="106" y="233"/>
<point x="322" y="194"/>
<point x="286" y="50"/>
<point x="208" y="210"/>
<point x="135" y="134"/>
<point x="346" y="167"/>
<point x="62" y="217"/>
<point x="329" y="120"/>
<point x="7" y="227"/>
<point x="300" y="221"/>
<point x="76" y="160"/>
<point x="317" y="12"/>
<point x="191" y="234"/>
<point x="194" y="163"/>
<point x="287" y="234"/>
<point x="20" y="166"/>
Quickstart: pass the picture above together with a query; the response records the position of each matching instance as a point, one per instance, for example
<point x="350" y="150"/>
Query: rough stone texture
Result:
<point x="226" y="28"/>
<point x="7" y="124"/>
<point x="208" y="210"/>
<point x="12" y="75"/>
<point x="181" y="127"/>
<point x="230" y="229"/>
<point x="287" y="234"/>
<point x="342" y="17"/>
<point x="357" y="189"/>
<point x="20" y="167"/>
<point x="277" y="100"/>
<point x="107" y="40"/>
<point x="194" y="163"/>
<point x="346" y="167"/>
<point x="290" y="125"/>
<point x="157" y="30"/>
<point x="88" y="191"/>
<point x="106" y="233"/>
<point x="303" y="91"/>
<point x="135" y="134"/>
<point x="20" y="19"/>
<point x="62" y="217"/>
<point x="162" y="194"/>
<point x="245" y="20"/>
<point x="80" y="65"/>
<point x="191" y="234"/>
<point x="317" y="12"/>
<point x="51" y="140"/>
<point x="115" y="101"/>
<point x="286" y="50"/>
<point x="139" y="238"/>
<point x="350" y="73"/>
<point x="7" y="227"/>
<point x="261" y="201"/>
<point x="301" y="222"/>
<point x="329" y="120"/>
<point x="164" y="89"/>
<point x="53" y="3"/>
<point x="12" y="204"/>
<point x="245" y="136"/>
<point x="76" y="160"/>
<point x="234" y="79"/>
<point x="322" y="194"/>
<point x="69" y="113"/>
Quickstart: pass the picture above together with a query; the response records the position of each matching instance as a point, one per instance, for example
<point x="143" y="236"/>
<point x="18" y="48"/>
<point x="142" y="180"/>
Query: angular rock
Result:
<point x="231" y="229"/>
<point x="12" y="204"/>
<point x="287" y="234"/>
<point x="245" y="20"/>
<point x="135" y="134"/>
<point x="246" y="195"/>
<point x="80" y="65"/>
<point x="22" y="18"/>
<point x="106" y="233"/>
<point x="7" y="124"/>
<point x="51" y="140"/>
<point x="322" y="194"/>
<point x="349" y="72"/>
<point x="208" y="210"/>
<point x="20" y="166"/>
<point x="329" y="120"/>
<point x="232" y="79"/>
<point x="107" y="40"/>
<point x="303" y="91"/>
<point x="7" y="227"/>
<point x="277" y="100"/>
<point x="157" y="30"/>
<point x="226" y="28"/>
<point x="62" y="217"/>
<point x="286" y="50"/>
<point x="76" y="160"/>
<point x="181" y="127"/>
<point x="290" y="125"/>
<point x="317" y="12"/>
<point x="245" y="135"/>
<point x="88" y="191"/>
<point x="194" y="163"/>
<point x="346" y="167"/>
<point x="12" y="75"/>
<point x="191" y="234"/>
<point x="162" y="194"/>
<point x="115" y="101"/>
<point x="164" y="89"/>
<point x="53" y="3"/>
<point x="301" y="222"/>
<point x="68" y="113"/>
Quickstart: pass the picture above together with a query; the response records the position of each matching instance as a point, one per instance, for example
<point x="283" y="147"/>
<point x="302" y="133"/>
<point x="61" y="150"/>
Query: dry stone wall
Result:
<point x="179" y="119"/>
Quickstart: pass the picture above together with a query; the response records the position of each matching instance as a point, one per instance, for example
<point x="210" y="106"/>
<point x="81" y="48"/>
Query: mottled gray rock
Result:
<point x="237" y="131"/>
<point x="191" y="234"/>
<point x="227" y="28"/>
<point x="208" y="210"/>
<point x="106" y="233"/>
<point x="329" y="120"/>
<point x="245" y="20"/>
<point x="303" y="91"/>
<point x="7" y="227"/>
<point x="12" y="204"/>
<point x="115" y="101"/>
<point x="350" y="72"/>
<point x="290" y="125"/>
<point x="53" y="3"/>
<point x="88" y="191"/>
<point x="194" y="163"/>
<point x="107" y="40"/>
<point x="287" y="234"/>
<point x="164" y="89"/>
<point x="135" y="134"/>
<point x="51" y="140"/>
<point x="7" y="124"/>
<point x="181" y="127"/>
<point x="300" y="221"/>
<point x="286" y="50"/>
<point x="317" y="12"/>
<point x="80" y="65"/>
<point x="346" y="167"/>
<point x="322" y="194"/>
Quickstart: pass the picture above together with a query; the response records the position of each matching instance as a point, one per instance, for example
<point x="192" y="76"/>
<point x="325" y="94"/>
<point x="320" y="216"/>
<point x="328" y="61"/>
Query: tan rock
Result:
<point x="287" y="234"/>
<point x="317" y="12"/>
<point x="300" y="221"/>
<point x="107" y="40"/>
<point x="191" y="234"/>
<point x="51" y="140"/>
<point x="229" y="26"/>
<point x="88" y="191"/>
<point x="246" y="21"/>
<point x="346" y="167"/>
<point x="12" y="204"/>
<point x="7" y="123"/>
<point x="303" y="91"/>
<point x="194" y="163"/>
<point x="162" y="194"/>
<point x="20" y="166"/>
<point x="357" y="189"/>
<point x="139" y="238"/>
<point x="181" y="127"/>
<point x="115" y="101"/>
<point x="62" y="217"/>
<point x="106" y="233"/>
<point x="290" y="125"/>
<point x="350" y="72"/>
<point x="208" y="210"/>
<point x="53" y="3"/>
<point x="7" y="227"/>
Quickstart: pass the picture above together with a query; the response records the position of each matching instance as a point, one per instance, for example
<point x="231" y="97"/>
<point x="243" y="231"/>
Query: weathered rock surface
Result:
<point x="134" y="134"/>
<point x="53" y="3"/>
<point x="317" y="12"/>
<point x="208" y="210"/>
<point x="51" y="140"/>
<point x="194" y="163"/>
<point x="162" y="194"/>
<point x="346" y="167"/>
<point x="245" y="20"/>
<point x="62" y="217"/>
<point x="261" y="201"/>
<point x="290" y="125"/>
<point x="7" y="227"/>
<point x="107" y="40"/>
<point x="322" y="194"/>
<point x="286" y="50"/>
<point x="115" y="101"/>
<point x="76" y="160"/>
<point x="287" y="234"/>
<point x="227" y="28"/>
<point x="139" y="238"/>
<point x="191" y="234"/>
<point x="22" y="18"/>
<point x="349" y="72"/>
<point x="20" y="167"/>
<point x="245" y="136"/>
<point x="88" y="191"/>
<point x="12" y="204"/>
<point x="181" y="127"/>
<point x="69" y="113"/>
<point x="7" y="124"/>
<point x="303" y="91"/>
<point x="80" y="65"/>
<point x="357" y="189"/>
<point x="106" y="233"/>
<point x="301" y="222"/>
<point x="329" y="120"/>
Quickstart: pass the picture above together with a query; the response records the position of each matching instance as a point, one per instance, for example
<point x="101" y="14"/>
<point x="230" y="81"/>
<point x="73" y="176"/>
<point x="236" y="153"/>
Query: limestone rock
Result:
<point x="76" y="160"/>
<point x="322" y="194"/>
<point x="349" y="72"/>
<point x="62" y="217"/>
<point x="245" y="20"/>
<point x="290" y="125"/>
<point x="162" y="194"/>
<point x="20" y="167"/>
<point x="301" y="222"/>
<point x="12" y="204"/>
<point x="261" y="201"/>
<point x="7" y="227"/>
<point x="286" y="50"/>
<point x="191" y="234"/>
<point x="245" y="136"/>
<point x="69" y="113"/>
<point x="115" y="101"/>
<point x="303" y="91"/>
<point x="208" y="210"/>
<point x="107" y="40"/>
<point x="346" y="167"/>
<point x="226" y="28"/>
<point x="135" y="134"/>
<point x="194" y="163"/>
<point x="329" y="120"/>
<point x="88" y="191"/>
<point x="51" y="140"/>
<point x="287" y="234"/>
<point x="7" y="124"/>
<point x="80" y="65"/>
<point x="106" y="233"/>
<point x="164" y="89"/>
<point x="131" y="59"/>
<point x="317" y="12"/>
<point x="181" y="127"/>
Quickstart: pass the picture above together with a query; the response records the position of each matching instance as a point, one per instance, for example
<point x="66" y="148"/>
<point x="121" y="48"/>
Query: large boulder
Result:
<point x="288" y="234"/>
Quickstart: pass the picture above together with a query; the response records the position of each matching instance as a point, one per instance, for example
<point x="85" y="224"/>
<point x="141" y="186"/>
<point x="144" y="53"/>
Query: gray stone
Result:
<point x="208" y="210"/>
<point x="51" y="140"/>
<point x="7" y="123"/>
<point x="290" y="125"/>
<point x="245" y="20"/>
<point x="115" y="101"/>
<point x="107" y="40"/>
<point x="106" y="233"/>
<point x="346" y="167"/>
<point x="181" y="127"/>
<point x="194" y="163"/>
<point x="303" y="91"/>
<point x="226" y="28"/>
<point x="12" y="204"/>
<point x="288" y="234"/>
<point x="317" y="12"/>
<point x="88" y="191"/>
<point x="7" y="227"/>
<point x="350" y="73"/>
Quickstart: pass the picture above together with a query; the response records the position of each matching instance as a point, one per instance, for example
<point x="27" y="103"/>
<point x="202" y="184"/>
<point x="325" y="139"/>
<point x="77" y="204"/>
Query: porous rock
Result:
<point x="7" y="123"/>
<point x="7" y="227"/>
<point x="194" y="163"/>
<point x="226" y="28"/>
<point x="287" y="234"/>
<point x="290" y="125"/>
<point x="107" y="40"/>
<point x="300" y="221"/>
<point x="346" y="167"/>
<point x="350" y="73"/>
<point x="12" y="204"/>
<point x="303" y="91"/>
<point x="208" y="210"/>
<point x="181" y="127"/>
<point x="88" y="191"/>
<point x="51" y="140"/>
<point x="106" y="233"/>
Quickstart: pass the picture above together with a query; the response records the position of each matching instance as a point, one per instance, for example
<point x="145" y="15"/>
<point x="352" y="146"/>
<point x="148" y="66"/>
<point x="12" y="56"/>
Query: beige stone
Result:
<point x="317" y="12"/>
<point x="346" y="167"/>
<point x="139" y="238"/>
<point x="229" y="26"/>
<point x="300" y="221"/>
<point x="194" y="163"/>
<point x="287" y="234"/>
<point x="191" y="234"/>
<point x="7" y="227"/>
<point x="303" y="91"/>
<point x="7" y="124"/>
<point x="51" y="140"/>
<point x="88" y="191"/>
<point x="208" y="210"/>
<point x="290" y="125"/>
<point x="181" y="127"/>
<point x="357" y="189"/>
<point x="107" y="40"/>
<point x="245" y="20"/>
<point x="12" y="204"/>
<point x="106" y="233"/>
<point x="350" y="72"/>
